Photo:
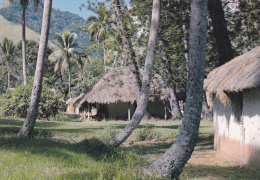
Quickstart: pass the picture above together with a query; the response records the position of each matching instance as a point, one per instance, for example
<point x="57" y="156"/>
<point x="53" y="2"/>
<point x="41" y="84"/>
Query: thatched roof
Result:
<point x="116" y="86"/>
<point x="73" y="100"/>
<point x="242" y="72"/>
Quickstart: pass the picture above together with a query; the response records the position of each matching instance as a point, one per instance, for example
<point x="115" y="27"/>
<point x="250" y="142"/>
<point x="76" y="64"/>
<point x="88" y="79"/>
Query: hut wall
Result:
<point x="70" y="109"/>
<point x="157" y="109"/>
<point x="237" y="127"/>
<point x="120" y="110"/>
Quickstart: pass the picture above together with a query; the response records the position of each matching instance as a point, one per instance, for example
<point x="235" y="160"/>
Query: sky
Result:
<point x="71" y="6"/>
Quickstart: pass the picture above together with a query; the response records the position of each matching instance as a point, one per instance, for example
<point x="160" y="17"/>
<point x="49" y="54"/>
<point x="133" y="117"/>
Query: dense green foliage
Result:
<point x="91" y="72"/>
<point x="7" y="51"/>
<point x="60" y="20"/>
<point x="15" y="64"/>
<point x="31" y="58"/>
<point x="16" y="103"/>
<point x="244" y="24"/>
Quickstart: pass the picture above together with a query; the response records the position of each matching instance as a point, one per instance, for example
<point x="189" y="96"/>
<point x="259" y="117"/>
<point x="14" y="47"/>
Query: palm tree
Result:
<point x="99" y="28"/>
<point x="144" y="94"/>
<point x="7" y="48"/>
<point x="24" y="4"/>
<point x="28" y="125"/>
<point x="172" y="162"/>
<point x="65" y="53"/>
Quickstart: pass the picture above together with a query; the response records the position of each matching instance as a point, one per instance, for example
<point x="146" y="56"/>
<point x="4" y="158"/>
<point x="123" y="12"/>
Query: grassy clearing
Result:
<point x="63" y="150"/>
<point x="74" y="150"/>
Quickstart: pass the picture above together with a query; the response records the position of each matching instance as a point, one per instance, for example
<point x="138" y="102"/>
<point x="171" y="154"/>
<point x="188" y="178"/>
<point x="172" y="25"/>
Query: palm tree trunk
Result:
<point x="69" y="76"/>
<point x="28" y="125"/>
<point x="171" y="163"/>
<point x="126" y="42"/>
<point x="206" y="114"/>
<point x="175" y="108"/>
<point x="8" y="76"/>
<point x="24" y="48"/>
<point x="147" y="75"/>
<point x="105" y="61"/>
<point x="220" y="32"/>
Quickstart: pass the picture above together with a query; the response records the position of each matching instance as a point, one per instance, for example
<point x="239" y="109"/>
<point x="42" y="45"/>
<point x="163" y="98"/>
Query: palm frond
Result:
<point x="56" y="55"/>
<point x="59" y="38"/>
<point x="71" y="50"/>
<point x="64" y="66"/>
<point x="57" y="65"/>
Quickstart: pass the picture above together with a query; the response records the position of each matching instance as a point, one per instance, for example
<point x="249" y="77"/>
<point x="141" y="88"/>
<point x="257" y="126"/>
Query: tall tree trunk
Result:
<point x="127" y="44"/>
<point x="171" y="163"/>
<point x="147" y="75"/>
<point x="175" y="108"/>
<point x="185" y="41"/>
<point x="105" y="61"/>
<point x="28" y="125"/>
<point x="206" y="114"/>
<point x="24" y="47"/>
<point x="8" y="76"/>
<point x="220" y="32"/>
<point x="68" y="61"/>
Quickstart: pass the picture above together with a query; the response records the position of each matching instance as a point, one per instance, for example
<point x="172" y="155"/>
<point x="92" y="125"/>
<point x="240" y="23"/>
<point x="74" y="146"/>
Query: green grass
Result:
<point x="74" y="150"/>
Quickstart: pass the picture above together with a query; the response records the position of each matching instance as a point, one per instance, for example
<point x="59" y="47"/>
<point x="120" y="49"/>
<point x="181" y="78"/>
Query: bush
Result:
<point x="147" y="134"/>
<point x="107" y="132"/>
<point x="16" y="103"/>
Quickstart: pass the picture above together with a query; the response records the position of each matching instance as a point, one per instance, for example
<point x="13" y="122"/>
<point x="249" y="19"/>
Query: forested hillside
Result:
<point x="59" y="20"/>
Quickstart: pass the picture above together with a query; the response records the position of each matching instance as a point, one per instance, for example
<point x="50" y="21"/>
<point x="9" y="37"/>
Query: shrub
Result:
<point x="16" y="103"/>
<point x="147" y="134"/>
<point x="107" y="132"/>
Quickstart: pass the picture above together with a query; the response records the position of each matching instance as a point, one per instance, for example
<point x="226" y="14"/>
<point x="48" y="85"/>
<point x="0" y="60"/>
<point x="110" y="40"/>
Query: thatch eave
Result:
<point x="237" y="75"/>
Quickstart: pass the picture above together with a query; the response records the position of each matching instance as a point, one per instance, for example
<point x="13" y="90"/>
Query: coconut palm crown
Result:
<point x="7" y="48"/>
<point x="65" y="53"/>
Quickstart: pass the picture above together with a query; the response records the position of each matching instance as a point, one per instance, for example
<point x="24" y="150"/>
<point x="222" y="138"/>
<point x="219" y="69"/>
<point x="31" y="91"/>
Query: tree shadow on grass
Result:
<point x="43" y="144"/>
<point x="149" y="148"/>
<point x="220" y="172"/>
<point x="86" y="176"/>
<point x="10" y="122"/>
<point x="116" y="126"/>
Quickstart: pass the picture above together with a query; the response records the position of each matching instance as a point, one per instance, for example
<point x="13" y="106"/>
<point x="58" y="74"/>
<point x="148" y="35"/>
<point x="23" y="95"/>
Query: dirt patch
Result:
<point x="205" y="162"/>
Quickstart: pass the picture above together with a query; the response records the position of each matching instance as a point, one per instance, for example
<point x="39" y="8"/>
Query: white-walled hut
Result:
<point x="234" y="92"/>
<point x="114" y="97"/>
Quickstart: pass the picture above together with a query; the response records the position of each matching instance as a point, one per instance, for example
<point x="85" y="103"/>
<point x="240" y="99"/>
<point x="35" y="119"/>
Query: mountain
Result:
<point x="59" y="20"/>
<point x="14" y="31"/>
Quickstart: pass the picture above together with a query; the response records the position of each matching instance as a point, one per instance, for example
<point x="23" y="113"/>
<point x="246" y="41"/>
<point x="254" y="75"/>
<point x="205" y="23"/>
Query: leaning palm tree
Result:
<point x="171" y="163"/>
<point x="28" y="125"/>
<point x="7" y="48"/>
<point x="64" y="53"/>
<point x="147" y="75"/>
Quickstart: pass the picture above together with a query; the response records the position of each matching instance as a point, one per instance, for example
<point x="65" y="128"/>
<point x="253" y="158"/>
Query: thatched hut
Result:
<point x="113" y="96"/>
<point x="234" y="92"/>
<point x="71" y="108"/>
